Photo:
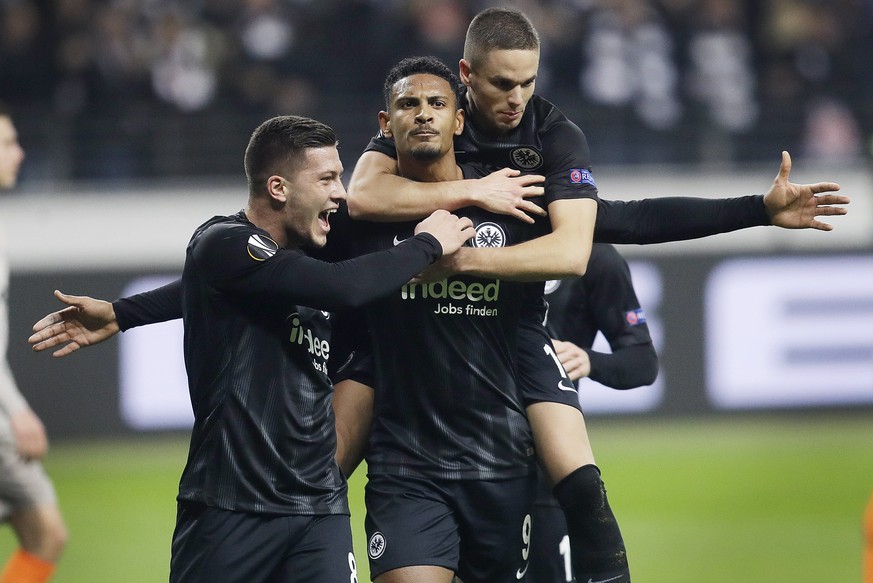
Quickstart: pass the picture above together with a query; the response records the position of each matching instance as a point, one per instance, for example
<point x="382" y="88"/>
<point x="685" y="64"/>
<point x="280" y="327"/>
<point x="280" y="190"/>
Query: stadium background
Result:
<point x="751" y="457"/>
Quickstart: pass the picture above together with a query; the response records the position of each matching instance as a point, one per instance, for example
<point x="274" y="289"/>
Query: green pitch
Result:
<point x="774" y="498"/>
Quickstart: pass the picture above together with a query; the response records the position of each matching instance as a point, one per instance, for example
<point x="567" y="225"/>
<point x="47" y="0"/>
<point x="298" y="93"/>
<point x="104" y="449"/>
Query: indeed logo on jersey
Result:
<point x="303" y="336"/>
<point x="455" y="290"/>
<point x="488" y="234"/>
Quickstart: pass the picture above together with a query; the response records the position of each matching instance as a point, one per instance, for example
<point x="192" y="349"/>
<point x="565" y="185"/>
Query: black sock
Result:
<point x="596" y="546"/>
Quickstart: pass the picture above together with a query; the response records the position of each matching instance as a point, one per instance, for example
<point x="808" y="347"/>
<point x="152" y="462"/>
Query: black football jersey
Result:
<point x="257" y="344"/>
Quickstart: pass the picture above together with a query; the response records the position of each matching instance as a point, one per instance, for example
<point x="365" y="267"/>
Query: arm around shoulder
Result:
<point x="561" y="253"/>
<point x="377" y="193"/>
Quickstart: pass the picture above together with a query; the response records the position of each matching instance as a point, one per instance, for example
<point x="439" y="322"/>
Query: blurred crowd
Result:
<point x="129" y="89"/>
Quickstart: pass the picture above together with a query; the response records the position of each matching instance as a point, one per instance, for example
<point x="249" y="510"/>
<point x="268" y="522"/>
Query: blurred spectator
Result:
<point x="630" y="72"/>
<point x="721" y="79"/>
<point x="831" y="134"/>
<point x="439" y="28"/>
<point x="100" y="85"/>
<point x="814" y="66"/>
<point x="630" y="62"/>
<point x="25" y="58"/>
<point x="185" y="62"/>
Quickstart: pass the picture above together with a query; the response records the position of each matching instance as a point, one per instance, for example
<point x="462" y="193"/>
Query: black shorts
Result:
<point x="550" y="547"/>
<point x="211" y="545"/>
<point x="480" y="529"/>
<point x="541" y="378"/>
<point x="358" y="366"/>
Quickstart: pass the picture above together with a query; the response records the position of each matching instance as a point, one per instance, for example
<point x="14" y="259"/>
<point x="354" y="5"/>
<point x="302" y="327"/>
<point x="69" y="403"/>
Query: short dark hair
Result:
<point x="276" y="145"/>
<point x="420" y="66"/>
<point x="499" y="29"/>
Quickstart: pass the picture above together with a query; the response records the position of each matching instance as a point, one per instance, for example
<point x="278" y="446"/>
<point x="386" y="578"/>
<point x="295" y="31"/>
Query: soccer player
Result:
<point x="508" y="126"/>
<point x="27" y="497"/>
<point x="603" y="300"/>
<point x="261" y="497"/>
<point x="450" y="458"/>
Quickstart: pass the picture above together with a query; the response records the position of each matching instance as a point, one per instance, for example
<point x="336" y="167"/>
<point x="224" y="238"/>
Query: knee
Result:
<point x="44" y="533"/>
<point x="55" y="540"/>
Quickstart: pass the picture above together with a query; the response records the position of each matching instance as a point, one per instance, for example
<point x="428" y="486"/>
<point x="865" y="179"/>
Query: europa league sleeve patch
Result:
<point x="635" y="317"/>
<point x="581" y="176"/>
<point x="261" y="248"/>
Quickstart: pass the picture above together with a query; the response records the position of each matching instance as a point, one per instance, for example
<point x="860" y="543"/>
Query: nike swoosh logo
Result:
<point x="605" y="580"/>
<point x="564" y="387"/>
<point x="398" y="241"/>
<point x="521" y="572"/>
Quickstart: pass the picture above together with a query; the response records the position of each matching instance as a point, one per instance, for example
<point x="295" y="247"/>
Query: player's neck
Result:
<point x="270" y="222"/>
<point x="441" y="170"/>
<point x="480" y="124"/>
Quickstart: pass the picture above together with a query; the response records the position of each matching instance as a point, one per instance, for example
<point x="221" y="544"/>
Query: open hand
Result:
<point x="796" y="206"/>
<point x="85" y="322"/>
<point x="506" y="192"/>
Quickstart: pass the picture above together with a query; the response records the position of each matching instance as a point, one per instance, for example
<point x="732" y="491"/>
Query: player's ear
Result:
<point x="464" y="71"/>
<point x="459" y="122"/>
<point x="277" y="188"/>
<point x="385" y="123"/>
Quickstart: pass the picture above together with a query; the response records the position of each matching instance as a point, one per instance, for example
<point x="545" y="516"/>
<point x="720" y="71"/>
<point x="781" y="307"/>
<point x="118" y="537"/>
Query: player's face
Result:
<point x="11" y="153"/>
<point x="500" y="87"/>
<point x="313" y="194"/>
<point x="423" y="117"/>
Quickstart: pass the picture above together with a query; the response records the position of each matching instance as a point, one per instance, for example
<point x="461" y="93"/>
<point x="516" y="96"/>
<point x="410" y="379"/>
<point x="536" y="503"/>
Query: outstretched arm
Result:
<point x="90" y="321"/>
<point x="678" y="218"/>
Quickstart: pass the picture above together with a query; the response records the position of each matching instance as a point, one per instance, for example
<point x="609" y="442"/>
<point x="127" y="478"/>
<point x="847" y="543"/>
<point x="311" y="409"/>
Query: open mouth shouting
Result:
<point x="324" y="219"/>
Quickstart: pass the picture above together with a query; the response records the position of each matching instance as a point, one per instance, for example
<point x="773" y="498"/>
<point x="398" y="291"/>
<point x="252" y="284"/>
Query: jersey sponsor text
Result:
<point x="314" y="345"/>
<point x="453" y="290"/>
